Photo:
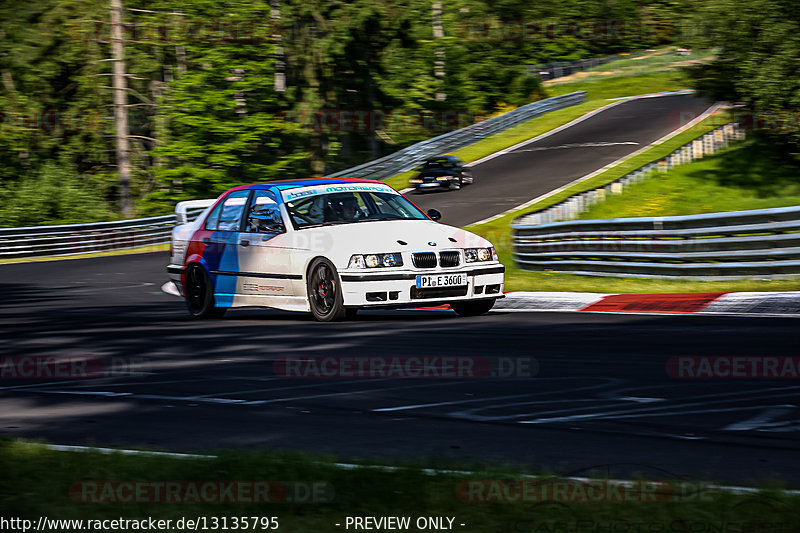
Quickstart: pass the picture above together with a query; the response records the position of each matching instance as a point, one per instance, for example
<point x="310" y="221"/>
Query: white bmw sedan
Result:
<point x="330" y="247"/>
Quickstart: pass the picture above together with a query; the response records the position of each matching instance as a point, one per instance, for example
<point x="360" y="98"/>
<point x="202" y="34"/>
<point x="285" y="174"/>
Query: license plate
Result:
<point x="441" y="280"/>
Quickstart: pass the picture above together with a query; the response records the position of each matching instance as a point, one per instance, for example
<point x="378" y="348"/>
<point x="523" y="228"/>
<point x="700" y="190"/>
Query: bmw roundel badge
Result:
<point x="432" y="243"/>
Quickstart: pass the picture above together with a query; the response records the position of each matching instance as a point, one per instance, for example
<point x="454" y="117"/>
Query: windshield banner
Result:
<point x="301" y="192"/>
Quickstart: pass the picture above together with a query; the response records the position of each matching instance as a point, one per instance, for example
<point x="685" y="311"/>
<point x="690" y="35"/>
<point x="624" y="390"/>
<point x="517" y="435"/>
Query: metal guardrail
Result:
<point x="413" y="155"/>
<point x="559" y="69"/>
<point x="69" y="239"/>
<point x="760" y="242"/>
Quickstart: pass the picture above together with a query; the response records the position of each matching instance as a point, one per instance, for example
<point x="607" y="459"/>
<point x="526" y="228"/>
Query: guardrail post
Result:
<point x="697" y="149"/>
<point x="601" y="195"/>
<point x="708" y="144"/>
<point x="719" y="139"/>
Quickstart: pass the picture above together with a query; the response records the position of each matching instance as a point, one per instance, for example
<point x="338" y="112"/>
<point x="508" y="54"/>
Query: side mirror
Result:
<point x="434" y="214"/>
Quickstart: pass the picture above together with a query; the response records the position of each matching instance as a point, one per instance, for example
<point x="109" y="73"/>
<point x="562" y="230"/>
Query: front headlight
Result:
<point x="475" y="255"/>
<point x="376" y="260"/>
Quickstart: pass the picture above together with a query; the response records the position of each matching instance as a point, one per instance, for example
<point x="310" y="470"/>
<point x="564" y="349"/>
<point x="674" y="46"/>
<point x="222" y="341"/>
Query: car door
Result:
<point x="222" y="228"/>
<point x="265" y="267"/>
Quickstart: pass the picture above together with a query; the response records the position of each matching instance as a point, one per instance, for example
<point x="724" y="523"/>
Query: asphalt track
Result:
<point x="594" y="392"/>
<point x="529" y="171"/>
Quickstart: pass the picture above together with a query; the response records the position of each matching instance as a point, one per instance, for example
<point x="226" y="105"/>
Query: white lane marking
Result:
<point x="609" y="381"/>
<point x="547" y="133"/>
<point x="619" y="161"/>
<point x="676" y="404"/>
<point x="82" y="383"/>
<point x="574" y="145"/>
<point x="621" y="482"/>
<point x="37" y="385"/>
<point x="106" y="451"/>
<point x="640" y="415"/>
<point x="639" y="400"/>
<point x="294" y="387"/>
<point x="684" y="437"/>
<point x="139" y="396"/>
<point x="762" y="420"/>
<point x="215" y="400"/>
<point x="352" y="392"/>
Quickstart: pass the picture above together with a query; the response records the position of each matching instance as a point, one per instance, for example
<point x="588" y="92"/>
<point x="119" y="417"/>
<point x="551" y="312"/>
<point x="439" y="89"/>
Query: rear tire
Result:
<point x="200" y="294"/>
<point x="475" y="308"/>
<point x="325" y="291"/>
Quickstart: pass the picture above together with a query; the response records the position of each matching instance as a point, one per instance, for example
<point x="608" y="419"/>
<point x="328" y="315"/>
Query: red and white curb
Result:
<point x="768" y="304"/>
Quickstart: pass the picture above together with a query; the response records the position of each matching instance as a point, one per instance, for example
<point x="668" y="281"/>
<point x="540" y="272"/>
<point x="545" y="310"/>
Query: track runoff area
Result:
<point x="97" y="354"/>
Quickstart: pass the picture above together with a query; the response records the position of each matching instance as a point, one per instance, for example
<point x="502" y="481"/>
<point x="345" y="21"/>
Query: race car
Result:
<point x="331" y="247"/>
<point x="442" y="172"/>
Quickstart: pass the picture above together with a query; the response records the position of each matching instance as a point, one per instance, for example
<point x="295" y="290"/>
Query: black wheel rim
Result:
<point x="195" y="289"/>
<point x="323" y="289"/>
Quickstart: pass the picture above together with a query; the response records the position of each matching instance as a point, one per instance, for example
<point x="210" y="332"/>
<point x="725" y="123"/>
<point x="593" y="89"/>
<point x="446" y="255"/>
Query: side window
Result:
<point x="264" y="215"/>
<point x="213" y="218"/>
<point x="227" y="215"/>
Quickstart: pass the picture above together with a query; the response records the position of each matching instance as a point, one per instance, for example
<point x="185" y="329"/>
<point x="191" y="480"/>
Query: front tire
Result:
<point x="325" y="291"/>
<point x="200" y="294"/>
<point x="475" y="308"/>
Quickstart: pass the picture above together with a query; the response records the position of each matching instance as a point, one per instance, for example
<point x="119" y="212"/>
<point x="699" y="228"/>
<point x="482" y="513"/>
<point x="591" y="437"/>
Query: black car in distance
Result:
<point x="441" y="172"/>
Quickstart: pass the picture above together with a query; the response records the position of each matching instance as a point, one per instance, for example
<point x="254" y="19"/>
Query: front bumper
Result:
<point x="398" y="289"/>
<point x="431" y="185"/>
<point x="175" y="273"/>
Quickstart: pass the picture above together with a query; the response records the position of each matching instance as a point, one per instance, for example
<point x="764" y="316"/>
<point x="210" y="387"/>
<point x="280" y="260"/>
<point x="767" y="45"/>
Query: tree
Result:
<point x="758" y="61"/>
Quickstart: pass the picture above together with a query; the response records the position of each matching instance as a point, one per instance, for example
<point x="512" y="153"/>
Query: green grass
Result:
<point x="36" y="482"/>
<point x="663" y="60"/>
<point x="749" y="175"/>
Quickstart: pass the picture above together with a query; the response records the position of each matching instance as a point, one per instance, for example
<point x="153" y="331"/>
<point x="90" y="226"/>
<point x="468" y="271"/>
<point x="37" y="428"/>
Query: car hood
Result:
<point x="384" y="236"/>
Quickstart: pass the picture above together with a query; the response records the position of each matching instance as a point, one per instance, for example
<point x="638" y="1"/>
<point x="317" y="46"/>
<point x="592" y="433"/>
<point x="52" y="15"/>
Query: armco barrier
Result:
<point x="69" y="239"/>
<point x="760" y="242"/>
<point x="39" y="241"/>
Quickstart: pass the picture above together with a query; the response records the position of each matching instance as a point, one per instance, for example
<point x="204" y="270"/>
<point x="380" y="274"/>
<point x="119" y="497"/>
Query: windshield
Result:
<point x="350" y="207"/>
<point x="438" y="164"/>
